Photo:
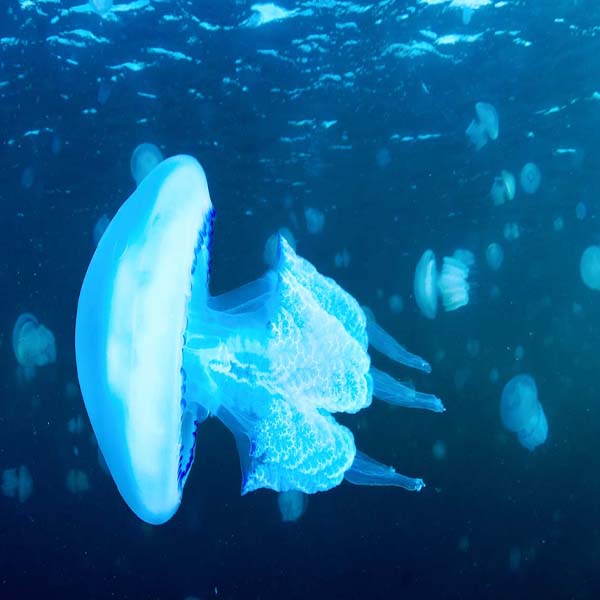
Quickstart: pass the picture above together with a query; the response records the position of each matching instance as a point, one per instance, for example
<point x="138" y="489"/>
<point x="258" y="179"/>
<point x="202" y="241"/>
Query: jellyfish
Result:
<point x="531" y="178"/>
<point x="503" y="188"/>
<point x="33" y="344"/>
<point x="273" y="360"/>
<point x="522" y="413"/>
<point x="589" y="267"/>
<point x="143" y="159"/>
<point x="102" y="7"/>
<point x="17" y="483"/>
<point x="451" y="284"/>
<point x="292" y="505"/>
<point x="315" y="220"/>
<point x="77" y="481"/>
<point x="484" y="127"/>
<point x="494" y="256"/>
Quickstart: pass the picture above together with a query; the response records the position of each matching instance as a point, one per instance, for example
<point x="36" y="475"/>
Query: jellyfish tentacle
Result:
<point x="389" y="390"/>
<point x="383" y="342"/>
<point x="366" y="471"/>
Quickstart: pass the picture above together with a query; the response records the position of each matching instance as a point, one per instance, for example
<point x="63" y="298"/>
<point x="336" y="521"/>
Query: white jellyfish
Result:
<point x="589" y="267"/>
<point x="144" y="158"/>
<point x="494" y="256"/>
<point x="270" y="251"/>
<point x="100" y="227"/>
<point x="451" y="284"/>
<point x="484" y="127"/>
<point x="292" y="505"/>
<point x="315" y="220"/>
<point x="77" y="481"/>
<point x="503" y="188"/>
<point x="33" y="344"/>
<point x="102" y="7"/>
<point x="531" y="178"/>
<point x="17" y="483"/>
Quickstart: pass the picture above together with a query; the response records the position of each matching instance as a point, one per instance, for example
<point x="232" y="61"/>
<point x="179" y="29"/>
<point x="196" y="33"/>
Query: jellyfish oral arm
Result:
<point x="366" y="471"/>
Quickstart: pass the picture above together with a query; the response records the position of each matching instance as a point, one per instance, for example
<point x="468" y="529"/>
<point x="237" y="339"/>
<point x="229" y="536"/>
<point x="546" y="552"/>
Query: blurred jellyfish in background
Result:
<point x="104" y="91"/>
<point x="531" y="178"/>
<point x="77" y="481"/>
<point x="439" y="450"/>
<point x="511" y="231"/>
<point x="581" y="211"/>
<point x="522" y="413"/>
<point x="144" y="158"/>
<point x="451" y="284"/>
<point x="270" y="251"/>
<point x="315" y="220"/>
<point x="75" y="425"/>
<point x="589" y="267"/>
<point x="396" y="303"/>
<point x="101" y="7"/>
<point x="292" y="505"/>
<point x="33" y="344"/>
<point x="17" y="483"/>
<point x="274" y="360"/>
<point x="494" y="255"/>
<point x="100" y="227"/>
<point x="484" y="127"/>
<point x="503" y="188"/>
<point x="342" y="259"/>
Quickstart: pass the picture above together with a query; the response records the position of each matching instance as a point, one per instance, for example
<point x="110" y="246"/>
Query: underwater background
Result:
<point x="354" y="112"/>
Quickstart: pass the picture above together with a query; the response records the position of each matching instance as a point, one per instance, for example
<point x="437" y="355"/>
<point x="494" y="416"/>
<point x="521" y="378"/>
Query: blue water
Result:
<point x="357" y="109"/>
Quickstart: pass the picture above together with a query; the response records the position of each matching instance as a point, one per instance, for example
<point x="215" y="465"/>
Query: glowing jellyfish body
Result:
<point x="494" y="256"/>
<point x="589" y="267"/>
<point x="315" y="220"/>
<point x="292" y="505"/>
<point x="503" y="188"/>
<point x="102" y="7"/>
<point x="143" y="159"/>
<point x="77" y="481"/>
<point x="157" y="354"/>
<point x="17" y="483"/>
<point x="531" y="178"/>
<point x="33" y="344"/>
<point x="485" y="127"/>
<point x="451" y="284"/>
<point x="522" y="413"/>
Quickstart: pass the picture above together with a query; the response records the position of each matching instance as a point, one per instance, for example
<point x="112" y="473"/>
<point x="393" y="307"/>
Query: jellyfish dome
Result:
<point x="144" y="158"/>
<point x="522" y="413"/>
<point x="451" y="284"/>
<point x="589" y="267"/>
<point x="17" y="483"/>
<point x="485" y="127"/>
<point x="531" y="178"/>
<point x="102" y="7"/>
<point x="494" y="256"/>
<point x="33" y="344"/>
<point x="273" y="360"/>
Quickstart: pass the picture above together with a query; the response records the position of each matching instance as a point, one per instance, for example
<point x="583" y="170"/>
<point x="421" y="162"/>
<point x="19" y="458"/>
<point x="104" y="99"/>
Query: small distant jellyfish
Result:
<point x="581" y="211"/>
<point x="17" y="483"/>
<point x="77" y="481"/>
<point x="275" y="360"/>
<point x="531" y="178"/>
<point x="270" y="251"/>
<point x="315" y="220"/>
<point x="396" y="303"/>
<point x="439" y="450"/>
<point x="33" y="344"/>
<point x="473" y="347"/>
<point x="519" y="353"/>
<point x="342" y="259"/>
<point x="101" y="7"/>
<point x="451" y="284"/>
<point x="494" y="255"/>
<point x="522" y="413"/>
<point x="484" y="127"/>
<point x="503" y="188"/>
<point x="292" y="505"/>
<point x="75" y="425"/>
<point x="558" y="224"/>
<point x="589" y="267"/>
<point x="104" y="91"/>
<point x="100" y="227"/>
<point x="144" y="158"/>
<point x="511" y="231"/>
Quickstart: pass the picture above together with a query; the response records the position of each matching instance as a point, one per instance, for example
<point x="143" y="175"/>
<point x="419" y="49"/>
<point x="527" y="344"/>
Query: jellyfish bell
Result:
<point x="530" y="178"/>
<point x="485" y="127"/>
<point x="101" y="7"/>
<point x="17" y="483"/>
<point x="34" y="345"/>
<point x="589" y="267"/>
<point x="503" y="188"/>
<point x="143" y="159"/>
<point x="157" y="354"/>
<point x="426" y="285"/>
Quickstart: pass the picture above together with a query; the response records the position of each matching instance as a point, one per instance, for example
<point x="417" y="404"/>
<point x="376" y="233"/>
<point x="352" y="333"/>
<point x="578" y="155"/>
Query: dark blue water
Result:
<point x="249" y="101"/>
